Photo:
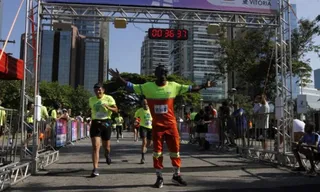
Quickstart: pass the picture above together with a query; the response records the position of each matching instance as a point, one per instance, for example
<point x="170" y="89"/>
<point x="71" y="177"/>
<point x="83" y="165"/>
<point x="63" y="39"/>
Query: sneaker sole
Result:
<point x="177" y="183"/>
<point x="94" y="175"/>
<point x="160" y="186"/>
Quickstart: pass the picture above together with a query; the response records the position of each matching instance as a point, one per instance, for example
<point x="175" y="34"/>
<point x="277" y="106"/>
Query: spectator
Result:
<point x="240" y="123"/>
<point x="2" y="119"/>
<point x="263" y="121"/>
<point x="308" y="145"/>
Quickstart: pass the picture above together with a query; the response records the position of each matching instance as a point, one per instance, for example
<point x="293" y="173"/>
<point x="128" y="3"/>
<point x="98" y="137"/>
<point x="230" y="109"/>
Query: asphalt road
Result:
<point x="204" y="171"/>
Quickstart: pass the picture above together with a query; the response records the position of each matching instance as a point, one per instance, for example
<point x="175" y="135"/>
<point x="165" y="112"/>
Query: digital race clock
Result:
<point x="168" y="34"/>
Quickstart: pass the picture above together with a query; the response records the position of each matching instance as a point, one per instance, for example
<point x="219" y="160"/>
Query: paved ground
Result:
<point x="204" y="171"/>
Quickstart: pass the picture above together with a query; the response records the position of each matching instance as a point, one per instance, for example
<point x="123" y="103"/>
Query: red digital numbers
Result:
<point x="168" y="34"/>
<point x="156" y="33"/>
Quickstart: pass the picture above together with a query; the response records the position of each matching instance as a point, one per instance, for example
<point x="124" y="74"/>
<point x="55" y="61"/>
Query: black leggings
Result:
<point x="119" y="131"/>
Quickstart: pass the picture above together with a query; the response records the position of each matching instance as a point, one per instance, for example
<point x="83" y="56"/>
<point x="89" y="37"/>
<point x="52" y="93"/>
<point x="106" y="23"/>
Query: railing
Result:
<point x="56" y="134"/>
<point x="248" y="135"/>
<point x="17" y="145"/>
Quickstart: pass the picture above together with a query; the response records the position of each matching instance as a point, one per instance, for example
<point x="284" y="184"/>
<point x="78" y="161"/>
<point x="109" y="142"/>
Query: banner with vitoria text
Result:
<point x="253" y="6"/>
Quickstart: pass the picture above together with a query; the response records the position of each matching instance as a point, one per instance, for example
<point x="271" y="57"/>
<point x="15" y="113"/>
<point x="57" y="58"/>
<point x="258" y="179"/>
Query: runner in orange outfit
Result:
<point x="160" y="96"/>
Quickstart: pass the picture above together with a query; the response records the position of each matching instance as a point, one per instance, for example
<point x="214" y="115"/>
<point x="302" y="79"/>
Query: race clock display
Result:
<point x="168" y="34"/>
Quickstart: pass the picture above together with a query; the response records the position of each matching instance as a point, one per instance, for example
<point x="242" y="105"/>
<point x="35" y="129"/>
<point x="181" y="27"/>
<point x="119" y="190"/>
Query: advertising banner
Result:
<point x="253" y="6"/>
<point x="61" y="130"/>
<point x="74" y="128"/>
<point x="88" y="130"/>
<point x="81" y="130"/>
<point x="184" y="132"/>
<point x="213" y="132"/>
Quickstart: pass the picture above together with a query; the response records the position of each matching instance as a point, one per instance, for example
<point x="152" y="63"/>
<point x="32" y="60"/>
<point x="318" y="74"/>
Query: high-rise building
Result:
<point x="1" y="17"/>
<point x="99" y="29"/>
<point x="70" y="58"/>
<point x="93" y="62"/>
<point x="196" y="59"/>
<point x="153" y="53"/>
<point x="317" y="79"/>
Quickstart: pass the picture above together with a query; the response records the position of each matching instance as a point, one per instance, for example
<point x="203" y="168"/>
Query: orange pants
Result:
<point x="172" y="138"/>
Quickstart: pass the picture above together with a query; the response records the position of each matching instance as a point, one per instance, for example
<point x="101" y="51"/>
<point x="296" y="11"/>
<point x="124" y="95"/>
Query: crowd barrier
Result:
<point x="16" y="144"/>
<point x="59" y="133"/>
<point x="251" y="136"/>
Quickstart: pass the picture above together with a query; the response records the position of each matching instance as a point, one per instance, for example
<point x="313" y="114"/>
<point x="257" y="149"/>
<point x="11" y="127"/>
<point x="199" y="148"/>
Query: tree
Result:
<point x="130" y="101"/>
<point x="52" y="92"/>
<point x="251" y="56"/>
<point x="76" y="99"/>
<point x="10" y="93"/>
<point x="79" y="100"/>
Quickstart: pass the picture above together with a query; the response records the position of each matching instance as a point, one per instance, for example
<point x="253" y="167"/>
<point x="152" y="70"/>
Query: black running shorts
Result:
<point x="145" y="132"/>
<point x="101" y="128"/>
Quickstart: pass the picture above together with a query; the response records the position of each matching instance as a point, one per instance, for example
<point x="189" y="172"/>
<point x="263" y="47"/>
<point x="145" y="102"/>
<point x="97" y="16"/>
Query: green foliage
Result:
<point x="251" y="54"/>
<point x="76" y="99"/>
<point x="52" y="92"/>
<point x="80" y="100"/>
<point x="10" y="93"/>
<point x="244" y="102"/>
<point x="129" y="102"/>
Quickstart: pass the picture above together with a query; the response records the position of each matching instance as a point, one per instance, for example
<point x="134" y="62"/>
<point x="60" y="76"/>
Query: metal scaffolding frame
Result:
<point x="40" y="14"/>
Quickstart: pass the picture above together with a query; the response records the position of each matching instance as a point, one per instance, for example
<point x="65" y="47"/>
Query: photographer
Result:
<point x="226" y="124"/>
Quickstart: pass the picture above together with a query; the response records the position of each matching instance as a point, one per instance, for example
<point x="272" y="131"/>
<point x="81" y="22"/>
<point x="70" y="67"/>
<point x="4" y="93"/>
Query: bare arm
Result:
<point x="203" y="86"/>
<point x="112" y="108"/>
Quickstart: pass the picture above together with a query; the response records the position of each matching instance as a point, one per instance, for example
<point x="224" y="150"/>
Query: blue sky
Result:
<point x="125" y="44"/>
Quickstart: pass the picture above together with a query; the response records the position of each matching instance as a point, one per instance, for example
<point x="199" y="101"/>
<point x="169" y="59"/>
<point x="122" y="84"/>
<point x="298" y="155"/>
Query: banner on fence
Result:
<point x="74" y="127"/>
<point x="213" y="132"/>
<point x="184" y="132"/>
<point x="61" y="130"/>
<point x="81" y="130"/>
<point x="88" y="130"/>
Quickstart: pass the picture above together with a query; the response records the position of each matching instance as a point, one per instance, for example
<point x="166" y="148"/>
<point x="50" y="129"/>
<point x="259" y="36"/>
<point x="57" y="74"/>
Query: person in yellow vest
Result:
<point x="193" y="126"/>
<point x="2" y="119"/>
<point x="44" y="113"/>
<point x="114" y="127"/>
<point x="145" y="129"/>
<point x="29" y="120"/>
<point x="119" y="121"/>
<point x="102" y="106"/>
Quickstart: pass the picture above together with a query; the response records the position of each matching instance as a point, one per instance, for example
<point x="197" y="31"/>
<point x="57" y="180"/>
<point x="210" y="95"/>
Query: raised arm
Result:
<point x="136" y="88"/>
<point x="198" y="88"/>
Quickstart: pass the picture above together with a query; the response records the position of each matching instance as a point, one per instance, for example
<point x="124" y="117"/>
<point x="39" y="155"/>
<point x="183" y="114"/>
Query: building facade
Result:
<point x="196" y="59"/>
<point x="317" y="79"/>
<point x="70" y="58"/>
<point x="96" y="29"/>
<point x="153" y="53"/>
<point x="312" y="95"/>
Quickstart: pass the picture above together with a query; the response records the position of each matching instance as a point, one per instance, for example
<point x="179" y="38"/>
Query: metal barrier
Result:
<point x="254" y="137"/>
<point x="16" y="144"/>
<point x="12" y="168"/>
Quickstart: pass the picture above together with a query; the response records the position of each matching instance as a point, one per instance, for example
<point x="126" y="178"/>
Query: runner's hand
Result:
<point x="210" y="84"/>
<point x="114" y="73"/>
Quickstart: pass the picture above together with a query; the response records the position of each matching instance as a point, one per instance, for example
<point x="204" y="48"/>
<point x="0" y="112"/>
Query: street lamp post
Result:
<point x="201" y="103"/>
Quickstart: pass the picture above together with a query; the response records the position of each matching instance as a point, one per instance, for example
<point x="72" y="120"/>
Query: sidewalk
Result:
<point x="204" y="171"/>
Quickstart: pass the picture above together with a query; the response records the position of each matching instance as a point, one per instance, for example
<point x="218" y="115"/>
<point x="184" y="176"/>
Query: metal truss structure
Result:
<point x="154" y="15"/>
<point x="41" y="14"/>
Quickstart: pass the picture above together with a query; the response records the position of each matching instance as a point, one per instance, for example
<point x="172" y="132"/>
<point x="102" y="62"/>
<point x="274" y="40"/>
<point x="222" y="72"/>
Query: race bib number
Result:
<point x="101" y="115"/>
<point x="148" y="123"/>
<point x="160" y="109"/>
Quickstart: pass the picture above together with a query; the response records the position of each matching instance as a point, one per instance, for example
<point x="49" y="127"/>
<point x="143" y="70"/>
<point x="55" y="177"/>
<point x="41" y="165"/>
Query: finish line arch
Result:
<point x="42" y="13"/>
